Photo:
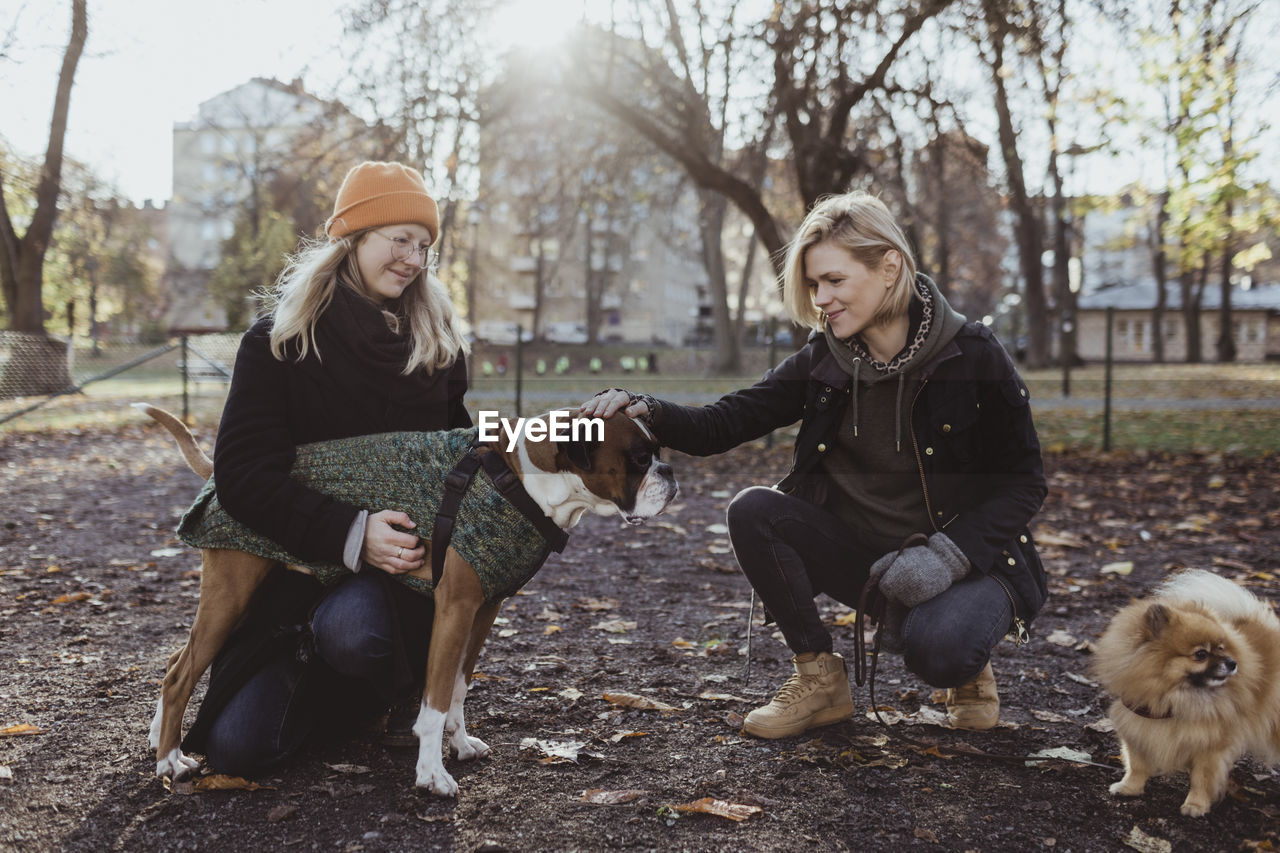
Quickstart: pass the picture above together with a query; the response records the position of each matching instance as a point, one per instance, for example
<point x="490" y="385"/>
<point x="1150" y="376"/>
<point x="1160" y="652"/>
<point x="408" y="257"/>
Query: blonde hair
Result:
<point x="305" y="289"/>
<point x="861" y="224"/>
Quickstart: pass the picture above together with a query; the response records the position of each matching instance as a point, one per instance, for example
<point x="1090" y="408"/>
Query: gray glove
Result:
<point x="921" y="571"/>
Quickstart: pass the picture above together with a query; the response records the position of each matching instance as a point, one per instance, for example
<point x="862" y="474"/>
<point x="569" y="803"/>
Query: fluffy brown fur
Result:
<point x="1195" y="674"/>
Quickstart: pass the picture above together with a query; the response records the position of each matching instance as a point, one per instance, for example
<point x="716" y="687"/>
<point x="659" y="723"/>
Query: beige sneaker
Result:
<point x="817" y="695"/>
<point x="975" y="706"/>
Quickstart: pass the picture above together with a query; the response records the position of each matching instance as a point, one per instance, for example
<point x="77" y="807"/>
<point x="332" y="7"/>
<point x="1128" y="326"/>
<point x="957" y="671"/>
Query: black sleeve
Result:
<point x="777" y="400"/>
<point x="253" y="455"/>
<point x="459" y="417"/>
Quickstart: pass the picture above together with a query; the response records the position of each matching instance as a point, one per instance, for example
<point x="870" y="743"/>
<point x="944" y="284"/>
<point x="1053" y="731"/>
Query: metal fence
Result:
<point x="37" y="370"/>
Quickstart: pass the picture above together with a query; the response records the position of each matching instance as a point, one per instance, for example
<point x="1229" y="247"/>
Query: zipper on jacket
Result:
<point x="915" y="447"/>
<point x="1018" y="631"/>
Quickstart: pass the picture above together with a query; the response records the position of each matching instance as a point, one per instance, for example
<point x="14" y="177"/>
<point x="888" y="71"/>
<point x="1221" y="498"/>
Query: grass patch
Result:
<point x="1062" y="427"/>
<point x="1244" y="432"/>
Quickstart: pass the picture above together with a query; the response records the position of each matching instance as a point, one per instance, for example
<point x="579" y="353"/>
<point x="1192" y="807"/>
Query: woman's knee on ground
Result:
<point x="234" y="749"/>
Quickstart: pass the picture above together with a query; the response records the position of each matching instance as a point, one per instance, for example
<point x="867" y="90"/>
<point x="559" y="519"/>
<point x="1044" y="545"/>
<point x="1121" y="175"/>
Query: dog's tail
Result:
<point x="1229" y="600"/>
<point x="196" y="458"/>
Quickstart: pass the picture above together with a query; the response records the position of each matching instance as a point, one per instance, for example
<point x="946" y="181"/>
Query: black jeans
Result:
<point x="370" y="635"/>
<point x="791" y="550"/>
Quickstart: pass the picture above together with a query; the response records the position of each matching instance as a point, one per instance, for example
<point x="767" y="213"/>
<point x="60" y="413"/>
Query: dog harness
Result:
<point x="504" y="536"/>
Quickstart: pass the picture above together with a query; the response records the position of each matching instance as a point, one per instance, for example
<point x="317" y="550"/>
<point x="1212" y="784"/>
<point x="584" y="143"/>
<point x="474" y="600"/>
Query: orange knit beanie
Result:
<point x="375" y="194"/>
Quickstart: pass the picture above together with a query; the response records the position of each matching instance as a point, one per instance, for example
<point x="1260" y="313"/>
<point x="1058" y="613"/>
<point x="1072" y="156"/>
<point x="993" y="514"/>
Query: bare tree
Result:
<point x="22" y="258"/>
<point x="678" y="91"/>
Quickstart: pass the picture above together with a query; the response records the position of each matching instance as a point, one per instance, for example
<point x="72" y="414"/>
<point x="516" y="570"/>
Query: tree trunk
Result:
<point x="1028" y="228"/>
<point x="1226" y="338"/>
<point x="1159" y="269"/>
<point x="38" y="362"/>
<point x="727" y="360"/>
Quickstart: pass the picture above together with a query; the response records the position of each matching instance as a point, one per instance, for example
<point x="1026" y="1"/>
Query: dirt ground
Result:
<point x="95" y="593"/>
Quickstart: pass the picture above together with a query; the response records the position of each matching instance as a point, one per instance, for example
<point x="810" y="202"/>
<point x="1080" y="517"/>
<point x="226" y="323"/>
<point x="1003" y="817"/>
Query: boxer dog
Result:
<point x="621" y="473"/>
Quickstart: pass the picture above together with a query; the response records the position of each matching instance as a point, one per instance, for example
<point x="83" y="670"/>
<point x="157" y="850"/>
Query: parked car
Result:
<point x="501" y="333"/>
<point x="567" y="333"/>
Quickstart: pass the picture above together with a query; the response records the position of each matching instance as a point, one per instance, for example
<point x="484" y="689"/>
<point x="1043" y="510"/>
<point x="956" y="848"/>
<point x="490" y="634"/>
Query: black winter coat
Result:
<point x="274" y="406"/>
<point x="982" y="479"/>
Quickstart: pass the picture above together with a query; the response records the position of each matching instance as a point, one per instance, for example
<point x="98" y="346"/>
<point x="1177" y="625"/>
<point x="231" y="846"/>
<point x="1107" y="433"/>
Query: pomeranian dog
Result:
<point x="1195" y="674"/>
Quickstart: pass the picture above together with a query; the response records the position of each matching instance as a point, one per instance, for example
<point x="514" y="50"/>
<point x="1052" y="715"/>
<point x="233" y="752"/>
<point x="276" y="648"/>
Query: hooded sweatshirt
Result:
<point x="875" y="482"/>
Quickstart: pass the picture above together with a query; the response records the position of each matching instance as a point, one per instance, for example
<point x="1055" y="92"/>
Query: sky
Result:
<point x="151" y="63"/>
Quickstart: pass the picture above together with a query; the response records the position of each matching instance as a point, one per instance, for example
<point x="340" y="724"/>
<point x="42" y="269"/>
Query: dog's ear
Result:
<point x="579" y="452"/>
<point x="1156" y="620"/>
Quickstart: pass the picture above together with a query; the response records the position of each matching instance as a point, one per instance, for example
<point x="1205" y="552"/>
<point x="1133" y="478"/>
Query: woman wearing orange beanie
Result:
<point x="359" y="339"/>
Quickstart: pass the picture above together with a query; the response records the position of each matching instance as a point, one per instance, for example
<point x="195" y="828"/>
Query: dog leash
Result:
<point x="508" y="485"/>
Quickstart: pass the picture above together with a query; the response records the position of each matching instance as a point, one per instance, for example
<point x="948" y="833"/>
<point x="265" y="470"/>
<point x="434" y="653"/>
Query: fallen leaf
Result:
<point x="554" y="752"/>
<point x="20" y="729"/>
<point x="1061" y="752"/>
<point x="6" y="773"/>
<point x="549" y="615"/>
<point x="1049" y="716"/>
<point x="218" y="782"/>
<point x="720" y="697"/>
<point x="1124" y="567"/>
<point x="355" y="769"/>
<point x="925" y="835"/>
<point x="1061" y="540"/>
<point x="1105" y="726"/>
<point x="682" y="643"/>
<point x="617" y="737"/>
<point x="551" y="629"/>
<point x="718" y="529"/>
<point x="614" y="626"/>
<point x="1061" y="638"/>
<point x="719" y="808"/>
<point x="1140" y="841"/>
<point x="666" y="525"/>
<point x="601" y="797"/>
<point x="281" y="812"/>
<point x="72" y="596"/>
<point x="634" y="700"/>
<point x="168" y="552"/>
<point x="570" y="693"/>
<point x="596" y="604"/>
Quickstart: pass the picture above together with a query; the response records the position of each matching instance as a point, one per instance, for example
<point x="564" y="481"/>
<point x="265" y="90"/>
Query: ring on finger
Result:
<point x="400" y="554"/>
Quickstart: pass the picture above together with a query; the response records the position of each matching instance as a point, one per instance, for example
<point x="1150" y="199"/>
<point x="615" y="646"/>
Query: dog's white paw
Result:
<point x="1125" y="788"/>
<point x="468" y="748"/>
<point x="176" y="766"/>
<point x="1195" y="808"/>
<point x="433" y="777"/>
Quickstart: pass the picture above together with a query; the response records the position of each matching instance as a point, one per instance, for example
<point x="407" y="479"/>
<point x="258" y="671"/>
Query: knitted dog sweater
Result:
<point x="393" y="471"/>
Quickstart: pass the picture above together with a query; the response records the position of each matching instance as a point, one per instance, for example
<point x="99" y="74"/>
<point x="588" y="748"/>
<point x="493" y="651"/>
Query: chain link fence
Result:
<point x="40" y="374"/>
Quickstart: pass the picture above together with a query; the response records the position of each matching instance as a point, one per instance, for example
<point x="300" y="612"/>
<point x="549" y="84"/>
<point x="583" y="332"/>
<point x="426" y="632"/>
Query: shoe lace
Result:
<point x="796" y="687"/>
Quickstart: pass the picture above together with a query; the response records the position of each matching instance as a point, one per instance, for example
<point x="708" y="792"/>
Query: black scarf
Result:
<point x="361" y="351"/>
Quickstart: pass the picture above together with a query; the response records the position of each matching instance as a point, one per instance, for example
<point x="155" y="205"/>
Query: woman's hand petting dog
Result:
<point x="606" y="403"/>
<point x="394" y="551"/>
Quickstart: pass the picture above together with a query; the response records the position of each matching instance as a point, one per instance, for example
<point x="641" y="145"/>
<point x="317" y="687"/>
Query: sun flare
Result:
<point x="535" y="23"/>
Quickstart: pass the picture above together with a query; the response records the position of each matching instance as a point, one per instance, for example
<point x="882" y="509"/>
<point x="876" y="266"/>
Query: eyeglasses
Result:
<point x="403" y="249"/>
